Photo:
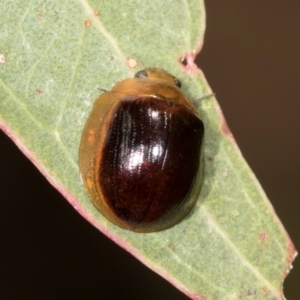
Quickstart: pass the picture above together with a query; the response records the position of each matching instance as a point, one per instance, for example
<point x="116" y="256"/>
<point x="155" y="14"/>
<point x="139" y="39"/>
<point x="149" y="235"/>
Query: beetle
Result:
<point x="141" y="152"/>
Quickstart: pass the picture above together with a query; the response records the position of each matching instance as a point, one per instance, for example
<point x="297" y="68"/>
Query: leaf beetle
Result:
<point x="141" y="152"/>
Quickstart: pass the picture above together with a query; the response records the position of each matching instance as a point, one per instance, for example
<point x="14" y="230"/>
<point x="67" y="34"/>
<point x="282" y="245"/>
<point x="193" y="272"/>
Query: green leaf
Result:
<point x="53" y="57"/>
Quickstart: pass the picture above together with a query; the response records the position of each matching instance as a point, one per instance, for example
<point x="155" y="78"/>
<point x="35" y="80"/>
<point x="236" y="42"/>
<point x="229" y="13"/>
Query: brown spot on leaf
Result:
<point x="264" y="293"/>
<point x="264" y="237"/>
<point x="187" y="62"/>
<point x="38" y="91"/>
<point x="251" y="293"/>
<point x="171" y="246"/>
<point x="132" y="63"/>
<point x="87" y="23"/>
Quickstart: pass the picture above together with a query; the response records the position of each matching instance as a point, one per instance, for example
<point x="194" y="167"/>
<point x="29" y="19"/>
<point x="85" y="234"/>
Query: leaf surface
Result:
<point x="54" y="55"/>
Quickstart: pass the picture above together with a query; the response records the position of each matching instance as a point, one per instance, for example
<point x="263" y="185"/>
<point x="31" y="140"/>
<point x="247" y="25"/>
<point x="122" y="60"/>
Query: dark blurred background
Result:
<point x="251" y="60"/>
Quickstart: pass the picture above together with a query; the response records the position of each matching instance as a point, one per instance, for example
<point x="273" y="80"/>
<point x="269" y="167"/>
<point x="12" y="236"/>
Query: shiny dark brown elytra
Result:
<point x="140" y="155"/>
<point x="150" y="158"/>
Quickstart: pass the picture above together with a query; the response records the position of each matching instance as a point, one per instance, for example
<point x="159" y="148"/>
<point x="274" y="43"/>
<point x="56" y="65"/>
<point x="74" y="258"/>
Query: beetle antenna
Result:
<point x="102" y="90"/>
<point x="206" y="96"/>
